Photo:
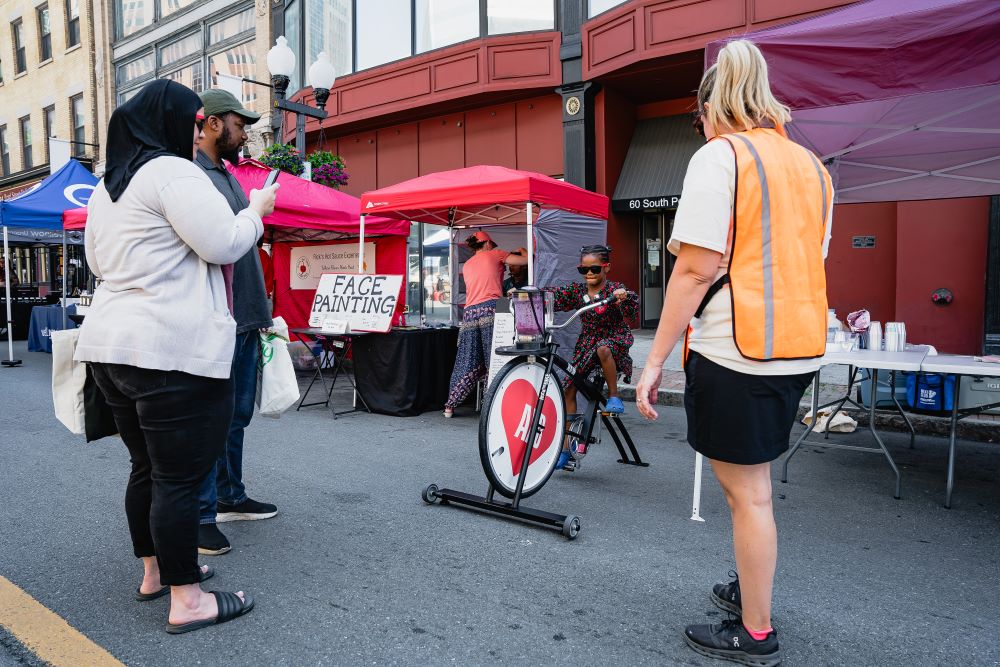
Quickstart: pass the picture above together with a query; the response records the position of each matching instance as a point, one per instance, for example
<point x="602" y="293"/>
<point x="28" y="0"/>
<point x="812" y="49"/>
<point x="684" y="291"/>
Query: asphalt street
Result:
<point x="356" y="569"/>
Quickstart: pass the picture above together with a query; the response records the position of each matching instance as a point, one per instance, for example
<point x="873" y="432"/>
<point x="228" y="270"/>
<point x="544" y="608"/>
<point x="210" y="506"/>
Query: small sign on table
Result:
<point x="363" y="302"/>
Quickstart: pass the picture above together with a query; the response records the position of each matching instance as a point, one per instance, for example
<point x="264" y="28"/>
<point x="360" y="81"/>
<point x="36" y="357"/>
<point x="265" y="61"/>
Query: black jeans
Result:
<point x="175" y="427"/>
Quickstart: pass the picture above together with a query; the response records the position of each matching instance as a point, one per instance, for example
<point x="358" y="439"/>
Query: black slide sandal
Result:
<point x="146" y="597"/>
<point x="230" y="607"/>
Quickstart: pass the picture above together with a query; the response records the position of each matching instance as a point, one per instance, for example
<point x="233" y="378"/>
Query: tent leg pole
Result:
<point x="11" y="361"/>
<point x="531" y="248"/>
<point x="361" y="248"/>
<point x="453" y="272"/>
<point x="64" y="295"/>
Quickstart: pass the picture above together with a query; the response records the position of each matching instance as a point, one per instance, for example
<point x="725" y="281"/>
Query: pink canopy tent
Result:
<point x="901" y="99"/>
<point x="481" y="196"/>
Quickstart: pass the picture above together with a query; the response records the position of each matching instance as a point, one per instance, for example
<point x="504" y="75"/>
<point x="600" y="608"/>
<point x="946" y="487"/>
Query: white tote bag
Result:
<point x="277" y="386"/>
<point x="68" y="379"/>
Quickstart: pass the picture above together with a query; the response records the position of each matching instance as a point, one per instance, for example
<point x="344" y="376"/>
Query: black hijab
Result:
<point x="159" y="120"/>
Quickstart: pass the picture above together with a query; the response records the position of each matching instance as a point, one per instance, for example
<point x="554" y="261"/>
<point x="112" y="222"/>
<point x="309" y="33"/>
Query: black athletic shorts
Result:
<point x="739" y="418"/>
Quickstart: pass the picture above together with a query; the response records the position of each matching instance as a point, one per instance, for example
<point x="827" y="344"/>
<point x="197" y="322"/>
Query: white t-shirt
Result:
<point x="704" y="219"/>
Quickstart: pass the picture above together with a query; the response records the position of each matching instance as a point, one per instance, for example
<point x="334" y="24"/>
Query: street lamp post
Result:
<point x="281" y="63"/>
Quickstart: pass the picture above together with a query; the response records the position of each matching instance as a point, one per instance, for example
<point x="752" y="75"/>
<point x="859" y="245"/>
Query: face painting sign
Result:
<point x="310" y="262"/>
<point x="365" y="302"/>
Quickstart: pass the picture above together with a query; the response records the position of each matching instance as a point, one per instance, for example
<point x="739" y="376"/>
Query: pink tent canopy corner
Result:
<point x="75" y="218"/>
<point x="901" y="99"/>
<point x="481" y="195"/>
<point x="302" y="204"/>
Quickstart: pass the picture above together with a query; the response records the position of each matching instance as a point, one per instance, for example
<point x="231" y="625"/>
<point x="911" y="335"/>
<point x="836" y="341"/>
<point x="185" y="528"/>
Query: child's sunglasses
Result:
<point x="584" y="270"/>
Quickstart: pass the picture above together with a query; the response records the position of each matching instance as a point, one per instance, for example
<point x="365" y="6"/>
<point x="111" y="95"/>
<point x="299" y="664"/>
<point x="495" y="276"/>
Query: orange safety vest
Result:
<point x="776" y="276"/>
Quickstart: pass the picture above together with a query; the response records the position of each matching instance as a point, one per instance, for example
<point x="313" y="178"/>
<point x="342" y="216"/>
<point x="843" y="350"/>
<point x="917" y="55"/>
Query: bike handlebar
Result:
<point x="591" y="306"/>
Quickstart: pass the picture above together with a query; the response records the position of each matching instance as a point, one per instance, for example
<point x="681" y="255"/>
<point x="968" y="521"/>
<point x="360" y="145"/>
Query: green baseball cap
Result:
<point x="217" y="102"/>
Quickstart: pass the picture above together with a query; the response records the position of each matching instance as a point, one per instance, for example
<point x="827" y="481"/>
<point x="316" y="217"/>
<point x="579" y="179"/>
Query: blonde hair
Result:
<point x="737" y="91"/>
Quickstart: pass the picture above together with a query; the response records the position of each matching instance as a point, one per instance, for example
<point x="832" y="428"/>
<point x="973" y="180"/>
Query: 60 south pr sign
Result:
<point x="364" y="302"/>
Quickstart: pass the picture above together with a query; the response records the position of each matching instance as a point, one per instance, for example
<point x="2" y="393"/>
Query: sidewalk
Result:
<point x="833" y="385"/>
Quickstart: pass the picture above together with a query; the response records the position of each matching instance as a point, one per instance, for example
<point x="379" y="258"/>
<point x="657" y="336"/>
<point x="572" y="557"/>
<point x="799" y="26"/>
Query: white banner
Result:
<point x="309" y="262"/>
<point x="365" y="302"/>
<point x="504" y="335"/>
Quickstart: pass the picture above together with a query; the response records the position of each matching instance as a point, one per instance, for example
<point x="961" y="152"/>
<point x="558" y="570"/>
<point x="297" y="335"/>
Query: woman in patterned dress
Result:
<point x="605" y="336"/>
<point x="483" y="286"/>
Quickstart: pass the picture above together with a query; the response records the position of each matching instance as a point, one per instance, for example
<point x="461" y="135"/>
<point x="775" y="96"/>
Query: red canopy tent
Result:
<point x="480" y="196"/>
<point x="308" y="214"/>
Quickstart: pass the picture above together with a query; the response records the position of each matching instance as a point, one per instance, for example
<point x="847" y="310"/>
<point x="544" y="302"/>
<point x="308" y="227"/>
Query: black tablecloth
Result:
<point x="405" y="372"/>
<point x="20" y="314"/>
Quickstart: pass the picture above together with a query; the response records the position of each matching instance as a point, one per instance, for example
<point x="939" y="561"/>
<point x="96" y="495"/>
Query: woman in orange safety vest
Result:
<point x="748" y="296"/>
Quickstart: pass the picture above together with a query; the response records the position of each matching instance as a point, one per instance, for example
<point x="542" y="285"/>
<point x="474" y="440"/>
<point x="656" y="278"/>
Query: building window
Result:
<point x="190" y="76"/>
<point x="79" y="131"/>
<point x="44" y="33"/>
<point x="168" y="7"/>
<point x="133" y="16"/>
<point x="383" y="32"/>
<point x="180" y="49"/>
<point x="72" y="23"/>
<point x="507" y="16"/>
<point x="236" y="24"/>
<point x="444" y="22"/>
<point x="328" y="28"/>
<point x="136" y="70"/>
<point x="596" y="7"/>
<point x="4" y="151"/>
<point x="293" y="34"/>
<point x="237" y="61"/>
<point x="20" y="53"/>
<point x="27" y="159"/>
<point x="49" y="116"/>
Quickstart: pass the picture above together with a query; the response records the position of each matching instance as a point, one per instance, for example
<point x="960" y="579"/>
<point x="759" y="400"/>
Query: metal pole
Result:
<point x="531" y="249"/>
<point x="361" y="247"/>
<point x="11" y="361"/>
<point x="699" y="462"/>
<point x="453" y="274"/>
<point x="64" y="278"/>
<point x="300" y="134"/>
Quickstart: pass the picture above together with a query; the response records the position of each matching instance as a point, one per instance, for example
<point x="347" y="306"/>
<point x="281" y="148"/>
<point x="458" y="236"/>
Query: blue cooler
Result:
<point x="884" y="390"/>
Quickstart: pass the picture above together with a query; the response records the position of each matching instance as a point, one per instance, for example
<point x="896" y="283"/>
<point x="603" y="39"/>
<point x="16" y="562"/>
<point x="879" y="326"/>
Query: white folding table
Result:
<point x="958" y="366"/>
<point x="875" y="361"/>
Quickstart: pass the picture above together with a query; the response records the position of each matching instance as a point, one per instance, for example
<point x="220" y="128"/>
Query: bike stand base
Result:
<point x="615" y="427"/>
<point x="569" y="526"/>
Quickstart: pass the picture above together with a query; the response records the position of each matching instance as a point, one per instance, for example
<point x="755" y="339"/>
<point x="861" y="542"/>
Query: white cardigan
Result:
<point x="158" y="250"/>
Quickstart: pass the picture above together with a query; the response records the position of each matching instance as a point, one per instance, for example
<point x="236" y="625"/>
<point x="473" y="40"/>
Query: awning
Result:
<point x="657" y="159"/>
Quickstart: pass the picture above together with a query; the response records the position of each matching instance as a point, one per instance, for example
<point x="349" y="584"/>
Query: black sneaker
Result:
<point x="729" y="640"/>
<point x="727" y="596"/>
<point x="248" y="510"/>
<point x="211" y="541"/>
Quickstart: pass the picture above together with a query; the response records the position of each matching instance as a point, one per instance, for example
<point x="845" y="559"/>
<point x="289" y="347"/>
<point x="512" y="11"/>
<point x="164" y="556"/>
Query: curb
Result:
<point x="976" y="430"/>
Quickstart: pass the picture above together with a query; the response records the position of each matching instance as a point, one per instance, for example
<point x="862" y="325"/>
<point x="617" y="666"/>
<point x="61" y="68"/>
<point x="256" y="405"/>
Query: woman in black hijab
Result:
<point x="159" y="336"/>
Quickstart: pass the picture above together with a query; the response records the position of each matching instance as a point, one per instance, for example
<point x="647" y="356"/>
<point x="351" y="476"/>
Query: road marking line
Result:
<point x="47" y="634"/>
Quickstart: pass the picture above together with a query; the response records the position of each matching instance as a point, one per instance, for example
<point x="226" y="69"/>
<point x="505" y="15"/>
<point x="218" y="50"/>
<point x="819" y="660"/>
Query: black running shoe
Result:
<point x="727" y="596"/>
<point x="248" y="510"/>
<point x="211" y="541"/>
<point x="729" y="640"/>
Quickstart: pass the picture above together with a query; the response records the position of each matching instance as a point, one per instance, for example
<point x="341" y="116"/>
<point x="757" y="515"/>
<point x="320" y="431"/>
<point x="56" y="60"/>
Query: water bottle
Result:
<point x="832" y="325"/>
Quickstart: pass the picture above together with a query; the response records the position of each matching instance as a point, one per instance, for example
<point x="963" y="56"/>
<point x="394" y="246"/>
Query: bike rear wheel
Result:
<point x="506" y="419"/>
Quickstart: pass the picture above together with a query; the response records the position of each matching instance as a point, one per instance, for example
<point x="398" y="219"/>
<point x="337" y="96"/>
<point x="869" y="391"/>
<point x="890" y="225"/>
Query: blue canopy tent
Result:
<point x="40" y="210"/>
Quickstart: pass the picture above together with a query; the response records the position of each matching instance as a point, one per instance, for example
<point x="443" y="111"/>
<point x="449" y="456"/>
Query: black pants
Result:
<point x="175" y="427"/>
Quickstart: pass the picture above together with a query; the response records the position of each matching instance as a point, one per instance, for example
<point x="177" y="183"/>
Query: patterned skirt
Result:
<point x="474" y="340"/>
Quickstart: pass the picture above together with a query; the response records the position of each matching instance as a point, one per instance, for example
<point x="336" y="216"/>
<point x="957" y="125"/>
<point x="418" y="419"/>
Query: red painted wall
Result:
<point x="943" y="244"/>
<point x="863" y="278"/>
<point x="523" y="135"/>
<point x="614" y="123"/>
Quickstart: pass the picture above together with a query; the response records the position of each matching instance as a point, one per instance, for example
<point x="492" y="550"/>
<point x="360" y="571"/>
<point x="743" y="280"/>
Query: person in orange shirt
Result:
<point x="483" y="274"/>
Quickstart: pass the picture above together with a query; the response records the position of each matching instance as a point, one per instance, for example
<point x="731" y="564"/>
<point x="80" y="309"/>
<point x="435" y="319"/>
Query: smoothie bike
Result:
<point x="525" y="399"/>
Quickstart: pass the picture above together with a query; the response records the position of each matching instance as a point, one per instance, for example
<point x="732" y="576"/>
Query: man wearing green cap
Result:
<point x="223" y="495"/>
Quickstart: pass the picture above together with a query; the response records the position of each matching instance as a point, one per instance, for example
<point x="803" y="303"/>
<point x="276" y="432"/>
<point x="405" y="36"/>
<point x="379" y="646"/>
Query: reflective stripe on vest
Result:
<point x="776" y="273"/>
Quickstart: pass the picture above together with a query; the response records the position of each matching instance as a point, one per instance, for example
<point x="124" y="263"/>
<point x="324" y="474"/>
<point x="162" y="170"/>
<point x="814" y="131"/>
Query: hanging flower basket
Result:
<point x="283" y="157"/>
<point x="328" y="169"/>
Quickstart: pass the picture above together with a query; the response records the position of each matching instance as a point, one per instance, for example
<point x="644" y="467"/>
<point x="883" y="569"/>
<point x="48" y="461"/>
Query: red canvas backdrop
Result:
<point x="295" y="305"/>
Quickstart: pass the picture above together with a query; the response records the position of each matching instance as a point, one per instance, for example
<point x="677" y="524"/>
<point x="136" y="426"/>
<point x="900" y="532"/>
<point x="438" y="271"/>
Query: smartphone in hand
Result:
<point x="272" y="178"/>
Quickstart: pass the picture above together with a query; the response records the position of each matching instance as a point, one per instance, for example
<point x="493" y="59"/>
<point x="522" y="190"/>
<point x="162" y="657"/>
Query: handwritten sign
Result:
<point x="310" y="262"/>
<point x="365" y="302"/>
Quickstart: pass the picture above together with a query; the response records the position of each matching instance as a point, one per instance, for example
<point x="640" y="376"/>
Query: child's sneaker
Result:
<point x="614" y="406"/>
<point x="564" y="458"/>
